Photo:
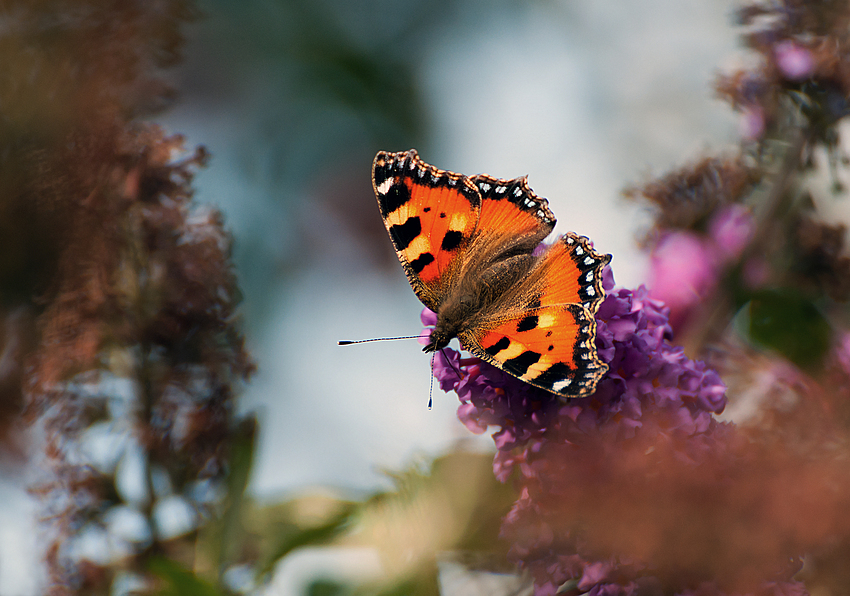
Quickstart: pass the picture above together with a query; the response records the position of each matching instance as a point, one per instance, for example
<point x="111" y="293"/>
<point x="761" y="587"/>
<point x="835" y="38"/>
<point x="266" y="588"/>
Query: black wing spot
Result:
<point x="520" y="364"/>
<point x="427" y="209"/>
<point x="528" y="323"/>
<point x="397" y="195"/>
<point x="442" y="215"/>
<point x="555" y="373"/>
<point x="550" y="348"/>
<point x="498" y="346"/>
<point x="405" y="233"/>
<point x="451" y="240"/>
<point x="422" y="261"/>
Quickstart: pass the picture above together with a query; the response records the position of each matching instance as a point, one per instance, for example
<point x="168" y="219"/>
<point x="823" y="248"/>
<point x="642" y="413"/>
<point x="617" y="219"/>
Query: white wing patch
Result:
<point x="384" y="187"/>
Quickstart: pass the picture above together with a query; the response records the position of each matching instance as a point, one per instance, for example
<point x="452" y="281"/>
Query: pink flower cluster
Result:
<point x="686" y="266"/>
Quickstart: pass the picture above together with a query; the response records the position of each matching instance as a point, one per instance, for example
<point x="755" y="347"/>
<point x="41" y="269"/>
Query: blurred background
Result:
<point x="294" y="98"/>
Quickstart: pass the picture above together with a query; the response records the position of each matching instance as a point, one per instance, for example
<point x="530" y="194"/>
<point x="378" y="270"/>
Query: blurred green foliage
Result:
<point x="455" y="493"/>
<point x="294" y="537"/>
<point x="787" y="322"/>
<point x="179" y="581"/>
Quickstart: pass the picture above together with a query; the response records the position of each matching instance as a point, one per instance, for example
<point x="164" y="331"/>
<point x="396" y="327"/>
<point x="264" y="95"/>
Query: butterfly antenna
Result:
<point x="431" y="386"/>
<point x="348" y="342"/>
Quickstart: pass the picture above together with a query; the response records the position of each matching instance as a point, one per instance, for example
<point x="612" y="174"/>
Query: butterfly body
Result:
<point x="477" y="295"/>
<point x="469" y="247"/>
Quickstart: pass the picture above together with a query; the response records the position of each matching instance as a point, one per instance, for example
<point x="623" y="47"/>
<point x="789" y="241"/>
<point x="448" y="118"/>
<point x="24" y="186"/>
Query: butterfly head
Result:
<point x="450" y="320"/>
<point x="454" y="317"/>
<point x="438" y="340"/>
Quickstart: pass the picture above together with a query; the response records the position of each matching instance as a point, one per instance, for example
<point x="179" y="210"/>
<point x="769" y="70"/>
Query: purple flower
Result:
<point x="653" y="393"/>
<point x="794" y="61"/>
<point x="645" y="370"/>
<point x="596" y="573"/>
<point x="685" y="266"/>
<point x="429" y="319"/>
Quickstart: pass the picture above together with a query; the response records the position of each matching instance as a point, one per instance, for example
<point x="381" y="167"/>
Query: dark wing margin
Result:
<point x="572" y="273"/>
<point x="512" y="205"/>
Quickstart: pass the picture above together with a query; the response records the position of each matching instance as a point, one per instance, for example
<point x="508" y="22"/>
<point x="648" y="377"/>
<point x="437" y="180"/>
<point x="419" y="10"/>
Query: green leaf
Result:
<point x="786" y="321"/>
<point x="178" y="580"/>
<point x="459" y="485"/>
<point x="426" y="583"/>
<point x="222" y="538"/>
<point x="314" y="535"/>
<point x="327" y="587"/>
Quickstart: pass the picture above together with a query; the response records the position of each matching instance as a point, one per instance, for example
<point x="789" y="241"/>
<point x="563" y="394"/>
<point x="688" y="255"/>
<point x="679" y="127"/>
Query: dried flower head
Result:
<point x="688" y="197"/>
<point x="126" y="294"/>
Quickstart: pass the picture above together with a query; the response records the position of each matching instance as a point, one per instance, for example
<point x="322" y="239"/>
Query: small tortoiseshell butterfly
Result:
<point x="467" y="245"/>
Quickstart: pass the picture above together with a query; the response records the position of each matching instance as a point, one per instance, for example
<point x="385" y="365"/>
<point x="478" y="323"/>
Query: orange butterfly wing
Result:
<point x="551" y="342"/>
<point x="573" y="273"/>
<point x="549" y="347"/>
<point x="430" y="214"/>
<point x="448" y="228"/>
<point x="511" y="205"/>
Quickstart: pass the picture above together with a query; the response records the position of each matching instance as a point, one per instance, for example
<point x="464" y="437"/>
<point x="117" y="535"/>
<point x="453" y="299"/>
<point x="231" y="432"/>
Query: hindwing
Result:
<point x="551" y="342"/>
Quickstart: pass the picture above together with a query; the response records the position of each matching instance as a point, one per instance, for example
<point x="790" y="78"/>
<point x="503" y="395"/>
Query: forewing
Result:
<point x="551" y="347"/>
<point x="431" y="215"/>
<point x="511" y="205"/>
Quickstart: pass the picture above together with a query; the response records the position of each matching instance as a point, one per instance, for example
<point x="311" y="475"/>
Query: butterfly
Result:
<point x="469" y="247"/>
